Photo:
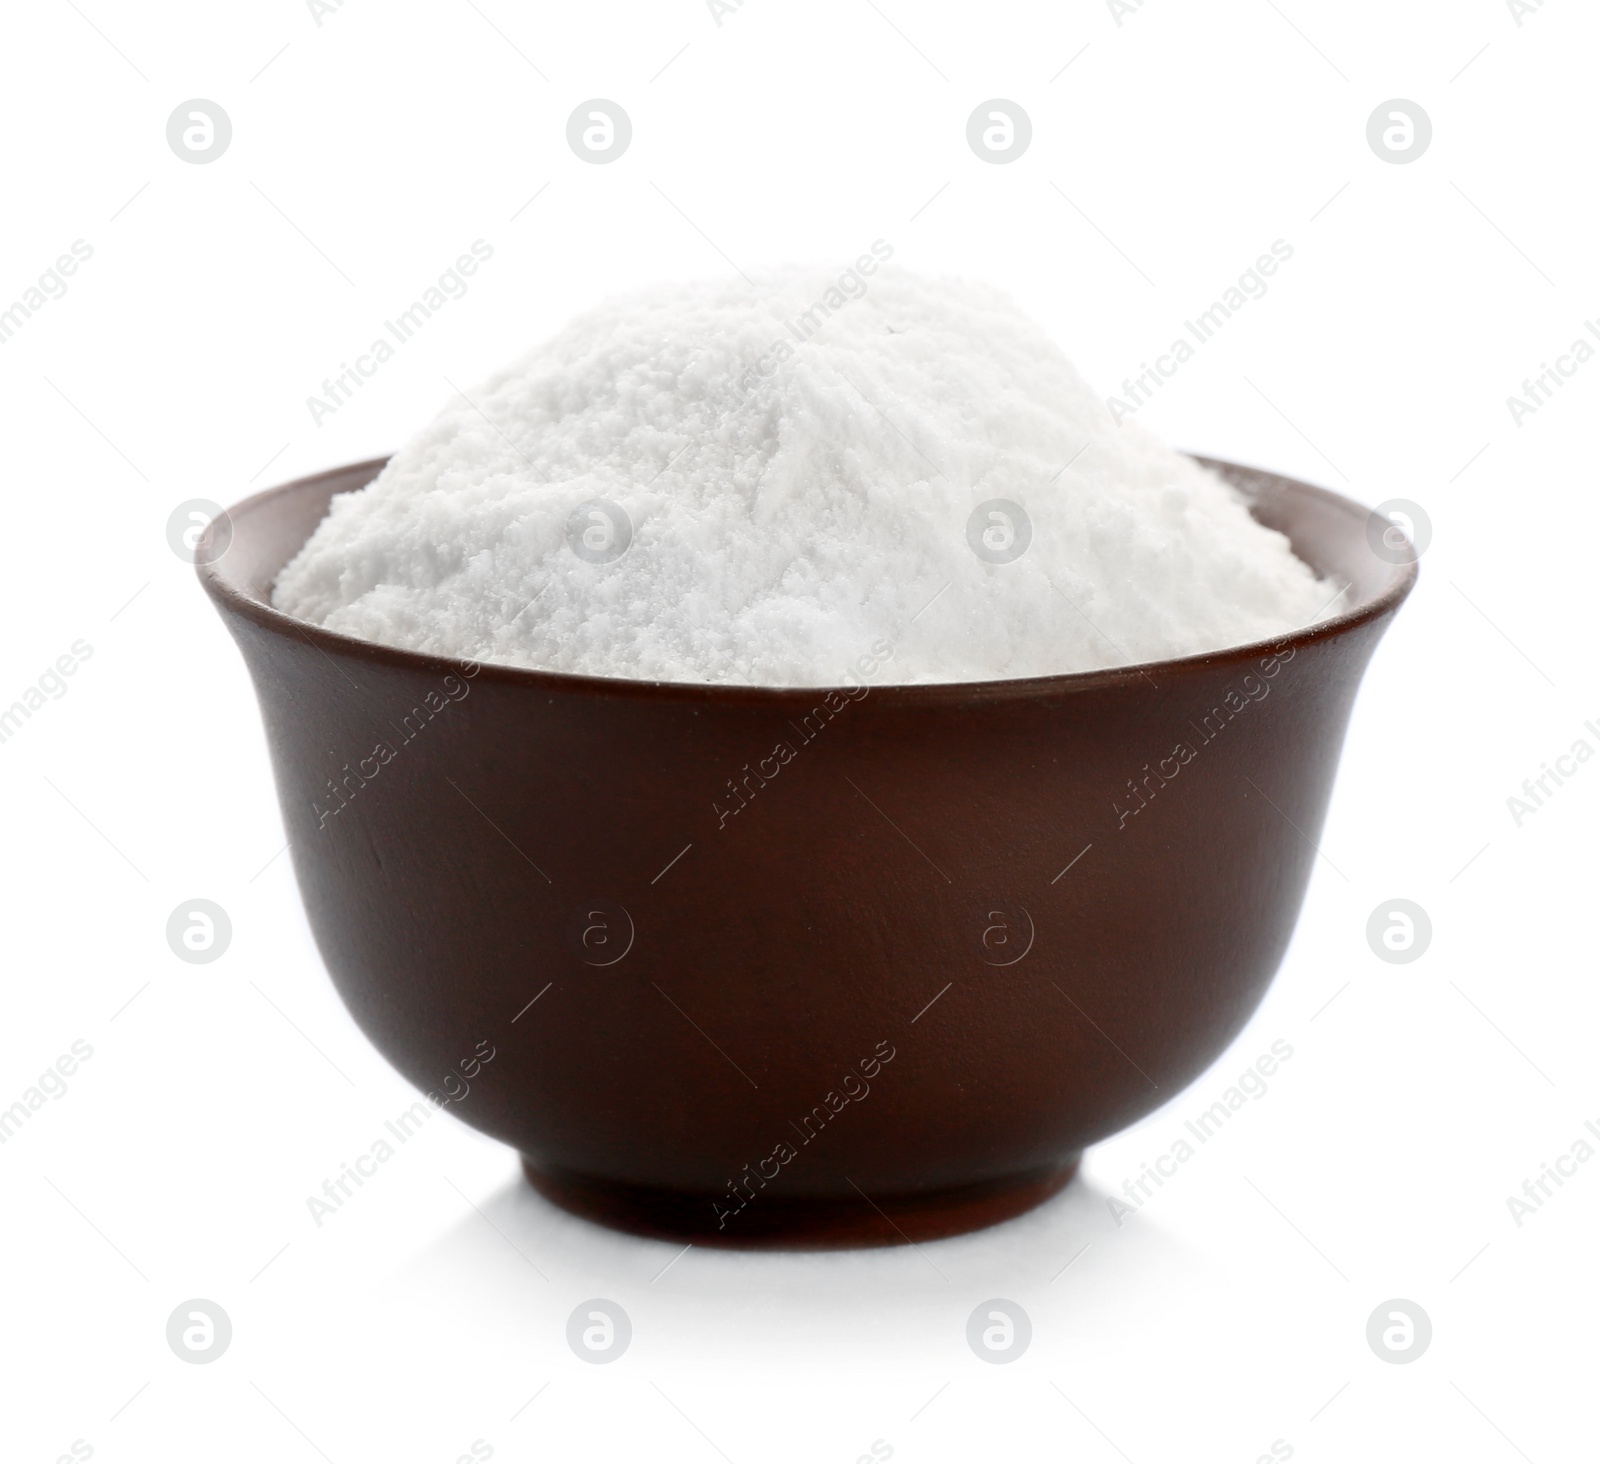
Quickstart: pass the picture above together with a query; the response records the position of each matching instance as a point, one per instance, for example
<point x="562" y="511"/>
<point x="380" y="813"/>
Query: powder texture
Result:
<point x="799" y="462"/>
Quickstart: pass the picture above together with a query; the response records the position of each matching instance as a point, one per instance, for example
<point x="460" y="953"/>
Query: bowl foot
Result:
<point x="797" y="1222"/>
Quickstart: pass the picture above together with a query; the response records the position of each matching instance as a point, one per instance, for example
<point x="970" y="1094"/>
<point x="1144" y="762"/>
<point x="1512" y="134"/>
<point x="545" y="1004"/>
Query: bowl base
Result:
<point x="799" y="1222"/>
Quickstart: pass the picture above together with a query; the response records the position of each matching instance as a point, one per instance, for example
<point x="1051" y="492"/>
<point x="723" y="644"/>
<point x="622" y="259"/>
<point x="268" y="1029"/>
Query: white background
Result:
<point x="368" y="152"/>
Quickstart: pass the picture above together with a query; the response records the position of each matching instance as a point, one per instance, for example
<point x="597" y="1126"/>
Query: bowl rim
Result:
<point x="229" y="596"/>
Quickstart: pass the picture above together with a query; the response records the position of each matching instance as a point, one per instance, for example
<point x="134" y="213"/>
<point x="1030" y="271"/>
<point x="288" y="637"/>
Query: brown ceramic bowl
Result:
<point x="952" y="936"/>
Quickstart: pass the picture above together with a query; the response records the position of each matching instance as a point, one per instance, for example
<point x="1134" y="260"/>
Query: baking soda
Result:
<point x="769" y="483"/>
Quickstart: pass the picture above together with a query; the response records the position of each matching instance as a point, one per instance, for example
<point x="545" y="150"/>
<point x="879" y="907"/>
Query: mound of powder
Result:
<point x="759" y="483"/>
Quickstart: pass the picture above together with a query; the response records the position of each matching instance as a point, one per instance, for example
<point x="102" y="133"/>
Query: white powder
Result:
<point x="795" y="498"/>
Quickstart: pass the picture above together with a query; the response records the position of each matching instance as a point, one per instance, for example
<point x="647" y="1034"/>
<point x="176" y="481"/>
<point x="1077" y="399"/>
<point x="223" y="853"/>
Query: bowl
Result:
<point x="812" y="967"/>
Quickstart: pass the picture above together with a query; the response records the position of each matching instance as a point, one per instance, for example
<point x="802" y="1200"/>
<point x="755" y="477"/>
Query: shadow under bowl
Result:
<point x="748" y="966"/>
